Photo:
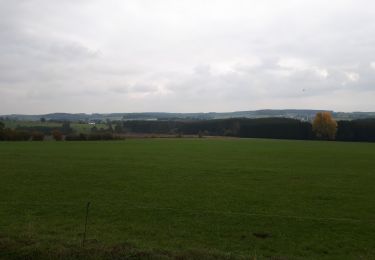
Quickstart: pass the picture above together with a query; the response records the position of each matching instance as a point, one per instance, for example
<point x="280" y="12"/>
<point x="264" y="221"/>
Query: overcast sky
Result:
<point x="186" y="55"/>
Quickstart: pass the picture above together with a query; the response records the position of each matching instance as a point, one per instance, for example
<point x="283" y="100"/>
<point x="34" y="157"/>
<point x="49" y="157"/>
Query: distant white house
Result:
<point x="91" y="123"/>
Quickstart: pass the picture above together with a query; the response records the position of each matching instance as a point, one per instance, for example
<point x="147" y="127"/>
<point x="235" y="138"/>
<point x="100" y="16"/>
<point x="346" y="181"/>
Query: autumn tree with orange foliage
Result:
<point x="324" y="126"/>
<point x="57" y="135"/>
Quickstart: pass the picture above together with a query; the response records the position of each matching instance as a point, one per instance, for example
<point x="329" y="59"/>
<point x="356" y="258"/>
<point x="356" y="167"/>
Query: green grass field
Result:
<point x="192" y="198"/>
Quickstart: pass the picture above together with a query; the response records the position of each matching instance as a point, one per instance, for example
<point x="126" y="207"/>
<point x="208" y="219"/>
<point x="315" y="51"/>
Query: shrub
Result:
<point x="72" y="137"/>
<point x="14" y="135"/>
<point x="57" y="135"/>
<point x="100" y="136"/>
<point x="37" y="136"/>
<point x="22" y="135"/>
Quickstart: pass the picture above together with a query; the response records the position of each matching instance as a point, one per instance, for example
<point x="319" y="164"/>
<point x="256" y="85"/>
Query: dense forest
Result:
<point x="280" y="128"/>
<point x="356" y="130"/>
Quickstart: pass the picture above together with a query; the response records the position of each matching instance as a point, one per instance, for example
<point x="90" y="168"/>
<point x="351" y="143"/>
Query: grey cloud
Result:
<point x="116" y="56"/>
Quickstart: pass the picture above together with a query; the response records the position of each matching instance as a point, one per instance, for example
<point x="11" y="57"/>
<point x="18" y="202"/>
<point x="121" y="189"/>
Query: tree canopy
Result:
<point x="324" y="126"/>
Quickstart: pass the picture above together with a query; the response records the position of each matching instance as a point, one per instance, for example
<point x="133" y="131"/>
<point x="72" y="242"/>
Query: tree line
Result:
<point x="322" y="128"/>
<point x="280" y="128"/>
<point x="39" y="133"/>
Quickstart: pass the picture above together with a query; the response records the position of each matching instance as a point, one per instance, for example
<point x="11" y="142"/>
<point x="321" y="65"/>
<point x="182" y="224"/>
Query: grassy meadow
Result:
<point x="188" y="198"/>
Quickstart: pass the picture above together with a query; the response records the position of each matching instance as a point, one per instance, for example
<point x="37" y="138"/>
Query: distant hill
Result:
<point x="302" y="114"/>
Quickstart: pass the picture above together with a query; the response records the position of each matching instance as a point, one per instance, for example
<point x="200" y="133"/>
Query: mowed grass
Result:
<point x="233" y="197"/>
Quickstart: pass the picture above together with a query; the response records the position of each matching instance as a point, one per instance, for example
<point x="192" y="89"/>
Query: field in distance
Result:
<point x="77" y="127"/>
<point x="188" y="198"/>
